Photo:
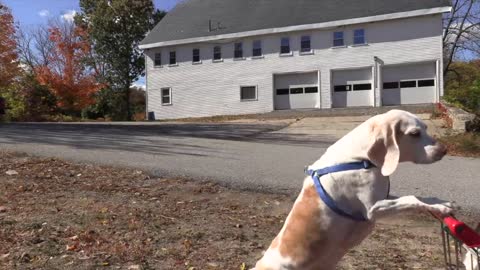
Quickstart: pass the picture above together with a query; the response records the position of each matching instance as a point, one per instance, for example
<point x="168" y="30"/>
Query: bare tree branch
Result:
<point x="461" y="31"/>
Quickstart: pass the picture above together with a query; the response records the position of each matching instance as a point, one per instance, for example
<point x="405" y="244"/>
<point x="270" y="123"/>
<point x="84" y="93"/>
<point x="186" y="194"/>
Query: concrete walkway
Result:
<point x="333" y="128"/>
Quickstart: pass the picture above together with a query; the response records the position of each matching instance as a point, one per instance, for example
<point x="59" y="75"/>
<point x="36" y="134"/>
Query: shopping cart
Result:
<point x="461" y="245"/>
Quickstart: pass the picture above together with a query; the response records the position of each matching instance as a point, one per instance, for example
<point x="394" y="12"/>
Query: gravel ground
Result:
<point x="56" y="214"/>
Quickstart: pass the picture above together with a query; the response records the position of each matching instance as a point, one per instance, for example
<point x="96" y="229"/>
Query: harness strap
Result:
<point x="326" y="198"/>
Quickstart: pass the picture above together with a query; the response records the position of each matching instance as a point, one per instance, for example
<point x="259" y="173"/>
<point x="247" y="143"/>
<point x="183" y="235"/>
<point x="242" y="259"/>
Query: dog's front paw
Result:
<point x="453" y="205"/>
<point x="444" y="209"/>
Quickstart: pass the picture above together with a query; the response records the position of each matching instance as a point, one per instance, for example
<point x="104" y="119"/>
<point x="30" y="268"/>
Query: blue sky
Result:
<point x="31" y="12"/>
<point x="34" y="12"/>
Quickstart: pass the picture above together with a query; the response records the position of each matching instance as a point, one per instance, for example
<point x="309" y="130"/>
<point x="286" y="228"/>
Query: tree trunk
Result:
<point x="127" y="100"/>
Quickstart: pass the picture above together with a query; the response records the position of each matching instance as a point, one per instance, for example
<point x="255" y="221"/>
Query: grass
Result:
<point x="465" y="144"/>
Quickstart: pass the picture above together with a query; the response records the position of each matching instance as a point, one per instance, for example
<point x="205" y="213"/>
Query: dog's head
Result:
<point x="399" y="136"/>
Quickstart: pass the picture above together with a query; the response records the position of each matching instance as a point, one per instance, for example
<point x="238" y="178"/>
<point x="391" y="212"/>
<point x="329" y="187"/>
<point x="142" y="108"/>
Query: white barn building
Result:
<point x="223" y="57"/>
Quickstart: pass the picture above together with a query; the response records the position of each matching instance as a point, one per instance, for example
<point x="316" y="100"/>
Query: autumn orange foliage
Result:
<point x="8" y="56"/>
<point x="66" y="75"/>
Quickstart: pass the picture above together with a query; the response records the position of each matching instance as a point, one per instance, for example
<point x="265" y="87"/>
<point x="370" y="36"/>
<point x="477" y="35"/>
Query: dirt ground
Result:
<point x="59" y="215"/>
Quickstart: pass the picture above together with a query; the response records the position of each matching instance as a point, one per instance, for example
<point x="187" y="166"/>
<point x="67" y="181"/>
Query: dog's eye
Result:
<point x="415" y="133"/>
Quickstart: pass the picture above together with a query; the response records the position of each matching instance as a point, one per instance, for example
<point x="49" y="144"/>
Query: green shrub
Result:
<point x="14" y="103"/>
<point x="467" y="98"/>
<point x="462" y="85"/>
<point x="110" y="104"/>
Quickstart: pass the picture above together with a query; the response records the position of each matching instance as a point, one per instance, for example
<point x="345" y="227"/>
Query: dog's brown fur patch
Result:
<point x="301" y="231"/>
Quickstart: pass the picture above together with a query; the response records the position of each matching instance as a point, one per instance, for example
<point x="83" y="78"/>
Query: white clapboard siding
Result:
<point x="209" y="88"/>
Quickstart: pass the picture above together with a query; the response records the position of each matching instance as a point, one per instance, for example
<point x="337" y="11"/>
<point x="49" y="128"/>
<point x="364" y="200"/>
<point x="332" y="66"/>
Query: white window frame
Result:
<point x="290" y="53"/>
<point x="242" y="51"/>
<point x="310" y="41"/>
<point x="170" y="56"/>
<point x="261" y="49"/>
<point x="199" y="56"/>
<point x="364" y="37"/>
<point x="155" y="59"/>
<point x="213" y="54"/>
<point x="169" y="96"/>
<point x="334" y="39"/>
<point x="247" y="100"/>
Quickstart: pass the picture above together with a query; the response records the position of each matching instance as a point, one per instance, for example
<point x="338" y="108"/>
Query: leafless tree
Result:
<point x="25" y="45"/>
<point x="461" y="36"/>
<point x="34" y="44"/>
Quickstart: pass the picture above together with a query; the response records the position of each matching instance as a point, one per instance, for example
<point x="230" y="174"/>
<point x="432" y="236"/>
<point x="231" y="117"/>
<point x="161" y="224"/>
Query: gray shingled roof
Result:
<point x="190" y="18"/>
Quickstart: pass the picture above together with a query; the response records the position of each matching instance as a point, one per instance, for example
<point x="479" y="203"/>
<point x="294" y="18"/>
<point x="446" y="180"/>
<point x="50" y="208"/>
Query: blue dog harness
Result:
<point x="326" y="198"/>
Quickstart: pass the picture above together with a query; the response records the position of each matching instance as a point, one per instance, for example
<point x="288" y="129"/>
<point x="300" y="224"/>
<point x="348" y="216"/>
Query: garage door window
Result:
<point x="362" y="87"/>
<point x="166" y="96"/>
<point x="309" y="90"/>
<point x="426" y="83"/>
<point x="390" y="85"/>
<point x="284" y="91"/>
<point x="342" y="88"/>
<point x="248" y="93"/>
<point x="295" y="91"/>
<point x="408" y="84"/>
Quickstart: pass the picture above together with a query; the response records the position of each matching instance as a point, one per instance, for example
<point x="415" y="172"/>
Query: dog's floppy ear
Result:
<point x="384" y="151"/>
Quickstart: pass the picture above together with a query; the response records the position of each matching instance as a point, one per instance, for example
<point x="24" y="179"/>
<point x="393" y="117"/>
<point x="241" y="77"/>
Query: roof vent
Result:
<point x="215" y="26"/>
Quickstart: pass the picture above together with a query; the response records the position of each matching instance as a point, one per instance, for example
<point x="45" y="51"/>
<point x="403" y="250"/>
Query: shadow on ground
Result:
<point x="163" y="139"/>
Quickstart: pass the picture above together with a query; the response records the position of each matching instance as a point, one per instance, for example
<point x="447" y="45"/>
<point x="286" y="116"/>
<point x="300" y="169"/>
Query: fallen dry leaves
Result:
<point x="61" y="215"/>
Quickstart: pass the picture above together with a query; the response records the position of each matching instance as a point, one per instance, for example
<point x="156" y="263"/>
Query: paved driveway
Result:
<point x="263" y="156"/>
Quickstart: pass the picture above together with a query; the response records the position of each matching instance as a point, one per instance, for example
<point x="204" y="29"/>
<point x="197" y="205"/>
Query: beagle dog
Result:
<point x="346" y="192"/>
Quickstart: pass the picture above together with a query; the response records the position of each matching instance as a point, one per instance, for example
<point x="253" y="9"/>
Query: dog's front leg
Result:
<point x="386" y="208"/>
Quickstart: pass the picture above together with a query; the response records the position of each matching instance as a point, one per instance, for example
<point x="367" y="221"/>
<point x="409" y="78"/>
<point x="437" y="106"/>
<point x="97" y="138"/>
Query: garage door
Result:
<point x="296" y="91"/>
<point x="409" y="84"/>
<point x="352" y="88"/>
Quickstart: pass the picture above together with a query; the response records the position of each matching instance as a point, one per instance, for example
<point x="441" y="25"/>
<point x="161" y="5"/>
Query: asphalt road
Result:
<point x="247" y="156"/>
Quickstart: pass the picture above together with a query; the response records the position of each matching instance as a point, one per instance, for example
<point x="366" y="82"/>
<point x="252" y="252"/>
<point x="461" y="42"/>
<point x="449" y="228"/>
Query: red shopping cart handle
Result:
<point x="462" y="232"/>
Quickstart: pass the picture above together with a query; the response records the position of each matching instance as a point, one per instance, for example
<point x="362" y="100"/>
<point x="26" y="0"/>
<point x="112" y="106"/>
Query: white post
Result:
<point x="374" y="84"/>
<point x="146" y="84"/>
<point x="379" y="81"/>
<point x="438" y="81"/>
<point x="319" y="90"/>
<point x="380" y="84"/>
